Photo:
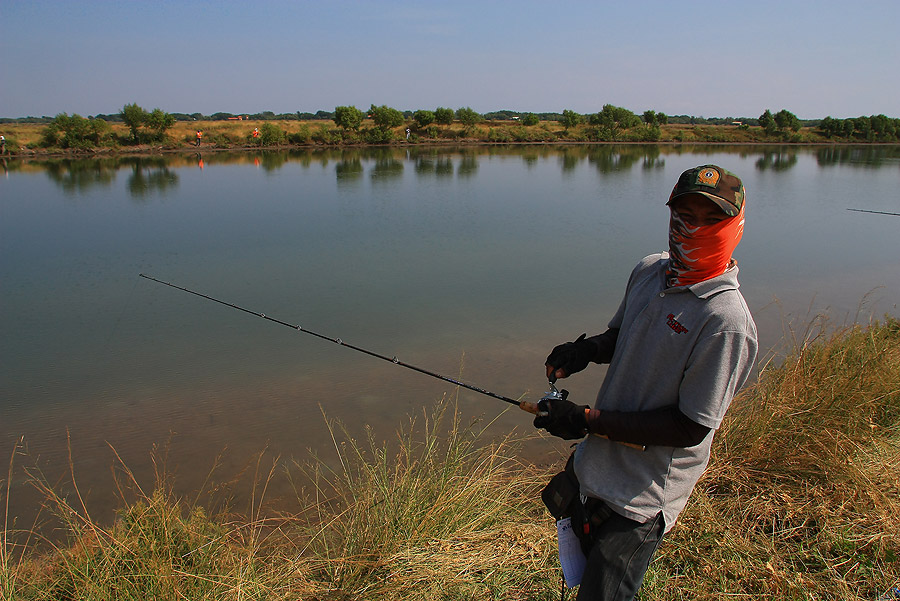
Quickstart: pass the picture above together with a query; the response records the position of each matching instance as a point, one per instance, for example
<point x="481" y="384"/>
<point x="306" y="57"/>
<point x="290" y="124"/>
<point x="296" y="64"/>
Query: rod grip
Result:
<point x="531" y="408"/>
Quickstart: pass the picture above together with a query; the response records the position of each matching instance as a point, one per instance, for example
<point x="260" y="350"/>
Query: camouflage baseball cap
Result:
<point x="719" y="185"/>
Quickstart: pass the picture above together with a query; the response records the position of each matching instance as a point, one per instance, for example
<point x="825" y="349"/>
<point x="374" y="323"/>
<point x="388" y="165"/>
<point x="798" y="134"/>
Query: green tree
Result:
<point x="767" y="122"/>
<point x="531" y="119"/>
<point x="884" y="128"/>
<point x="159" y="121"/>
<point x="443" y="116"/>
<point x="423" y="118"/>
<point x="786" y="120"/>
<point x="847" y="127"/>
<point x="830" y="126"/>
<point x="863" y="126"/>
<point x="467" y="116"/>
<point x="650" y="117"/>
<point x="662" y="118"/>
<point x="348" y="117"/>
<point x="570" y="119"/>
<point x="612" y="119"/>
<point x="134" y="117"/>
<point x="385" y="117"/>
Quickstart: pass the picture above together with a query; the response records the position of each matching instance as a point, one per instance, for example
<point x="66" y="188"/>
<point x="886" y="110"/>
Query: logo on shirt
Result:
<point x="675" y="325"/>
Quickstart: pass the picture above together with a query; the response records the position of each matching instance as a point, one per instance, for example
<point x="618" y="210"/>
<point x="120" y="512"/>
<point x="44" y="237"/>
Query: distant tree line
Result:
<point x="263" y="116"/>
<point x="876" y="128"/>
<point x="610" y="124"/>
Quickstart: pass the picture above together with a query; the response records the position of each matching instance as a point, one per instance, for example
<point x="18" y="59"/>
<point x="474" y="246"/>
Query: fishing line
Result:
<point x="104" y="351"/>
<point x="530" y="407"/>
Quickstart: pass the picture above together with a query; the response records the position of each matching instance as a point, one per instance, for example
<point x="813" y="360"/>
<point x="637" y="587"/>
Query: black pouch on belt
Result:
<point x="562" y="497"/>
<point x="562" y="492"/>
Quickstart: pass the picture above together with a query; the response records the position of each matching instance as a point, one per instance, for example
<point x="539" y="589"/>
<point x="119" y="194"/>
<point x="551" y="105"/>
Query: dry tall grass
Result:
<point x="801" y="501"/>
<point x="802" y="498"/>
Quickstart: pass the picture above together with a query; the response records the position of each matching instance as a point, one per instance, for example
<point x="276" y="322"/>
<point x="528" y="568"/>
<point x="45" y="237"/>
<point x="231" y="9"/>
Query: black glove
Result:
<point x="564" y="418"/>
<point x="572" y="357"/>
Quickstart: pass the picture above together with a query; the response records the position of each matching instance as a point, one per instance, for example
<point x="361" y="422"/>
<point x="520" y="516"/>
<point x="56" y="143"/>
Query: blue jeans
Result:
<point x="619" y="558"/>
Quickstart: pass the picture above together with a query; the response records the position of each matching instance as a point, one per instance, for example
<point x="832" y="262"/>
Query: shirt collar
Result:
<point x="720" y="283"/>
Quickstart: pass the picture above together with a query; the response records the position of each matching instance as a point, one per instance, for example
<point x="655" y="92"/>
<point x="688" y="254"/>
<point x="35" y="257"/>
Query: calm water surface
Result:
<point x="473" y="263"/>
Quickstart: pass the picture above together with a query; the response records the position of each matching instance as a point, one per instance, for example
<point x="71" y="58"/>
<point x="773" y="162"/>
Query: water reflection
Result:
<point x="150" y="175"/>
<point x="81" y="175"/>
<point x="652" y="159"/>
<point x="468" y="165"/>
<point x="776" y="161"/>
<point x="158" y="174"/>
<point x="860" y="156"/>
<point x="350" y="168"/>
<point x="568" y="161"/>
<point x="272" y="160"/>
<point x="387" y="166"/>
<point x="439" y="165"/>
<point x="611" y="159"/>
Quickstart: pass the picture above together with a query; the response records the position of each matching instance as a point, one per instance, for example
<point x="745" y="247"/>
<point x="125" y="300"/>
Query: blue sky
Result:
<point x="724" y="58"/>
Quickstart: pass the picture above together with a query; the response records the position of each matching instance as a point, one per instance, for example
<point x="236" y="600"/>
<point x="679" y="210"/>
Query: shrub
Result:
<point x="378" y="135"/>
<point x="76" y="132"/>
<point x="326" y="135"/>
<point x="300" y="137"/>
<point x="270" y="134"/>
<point x="501" y="135"/>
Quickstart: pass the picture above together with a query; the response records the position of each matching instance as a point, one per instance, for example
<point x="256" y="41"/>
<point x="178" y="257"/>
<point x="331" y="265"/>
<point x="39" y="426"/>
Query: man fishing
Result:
<point x="681" y="344"/>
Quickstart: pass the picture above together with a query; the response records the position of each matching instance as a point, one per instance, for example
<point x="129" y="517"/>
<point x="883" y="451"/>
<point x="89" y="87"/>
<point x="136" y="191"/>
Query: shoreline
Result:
<point x="149" y="150"/>
<point x="25" y="141"/>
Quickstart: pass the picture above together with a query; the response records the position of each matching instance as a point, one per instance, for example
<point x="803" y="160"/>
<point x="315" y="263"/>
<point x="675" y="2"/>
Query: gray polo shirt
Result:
<point x="691" y="345"/>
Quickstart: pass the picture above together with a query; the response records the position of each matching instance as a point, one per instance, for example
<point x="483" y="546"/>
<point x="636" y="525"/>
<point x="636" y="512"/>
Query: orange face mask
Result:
<point x="698" y="253"/>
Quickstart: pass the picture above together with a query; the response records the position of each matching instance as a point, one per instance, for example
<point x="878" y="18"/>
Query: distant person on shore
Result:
<point x="2" y="144"/>
<point x="199" y="137"/>
<point x="680" y="346"/>
<point x="255" y="132"/>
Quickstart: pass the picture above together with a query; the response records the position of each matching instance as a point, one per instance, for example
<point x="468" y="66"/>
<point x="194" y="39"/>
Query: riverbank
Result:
<point x="25" y="140"/>
<point x="800" y="501"/>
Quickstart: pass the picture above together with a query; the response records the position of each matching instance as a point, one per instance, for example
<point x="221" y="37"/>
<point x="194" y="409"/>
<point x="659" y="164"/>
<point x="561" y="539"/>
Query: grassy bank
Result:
<point x="801" y="501"/>
<point x="26" y="139"/>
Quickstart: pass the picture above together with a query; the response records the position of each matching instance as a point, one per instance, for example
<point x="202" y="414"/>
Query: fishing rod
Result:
<point x="876" y="212"/>
<point x="533" y="408"/>
<point x="554" y="394"/>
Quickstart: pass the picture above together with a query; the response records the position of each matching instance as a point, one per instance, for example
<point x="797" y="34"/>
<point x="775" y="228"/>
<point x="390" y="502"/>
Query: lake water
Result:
<point x="468" y="262"/>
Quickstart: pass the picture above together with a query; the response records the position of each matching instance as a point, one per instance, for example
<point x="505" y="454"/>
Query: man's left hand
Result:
<point x="564" y="418"/>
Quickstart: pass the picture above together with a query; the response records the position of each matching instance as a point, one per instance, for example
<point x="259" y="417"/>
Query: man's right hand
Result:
<point x="569" y="358"/>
